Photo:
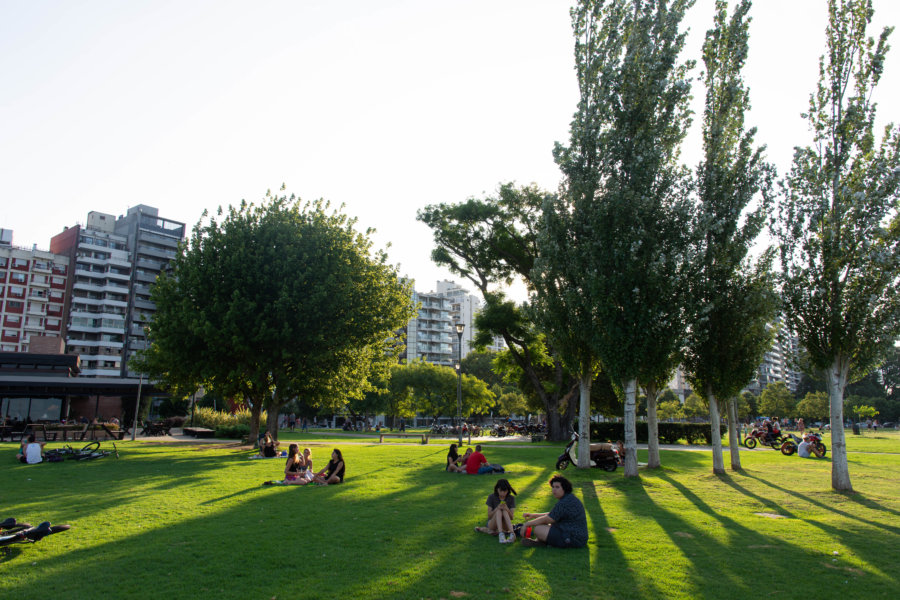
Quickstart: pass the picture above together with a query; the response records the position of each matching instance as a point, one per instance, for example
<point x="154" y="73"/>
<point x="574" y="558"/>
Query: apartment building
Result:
<point x="32" y="294"/>
<point x="429" y="335"/>
<point x="464" y="307"/>
<point x="98" y="293"/>
<point x="152" y="242"/>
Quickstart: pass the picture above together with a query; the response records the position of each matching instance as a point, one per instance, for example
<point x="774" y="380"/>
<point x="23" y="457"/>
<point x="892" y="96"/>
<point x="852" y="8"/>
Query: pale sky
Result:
<point x="382" y="105"/>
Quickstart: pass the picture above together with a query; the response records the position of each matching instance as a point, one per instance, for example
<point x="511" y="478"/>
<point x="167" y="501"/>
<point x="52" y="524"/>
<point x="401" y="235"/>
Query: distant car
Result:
<point x="889" y="425"/>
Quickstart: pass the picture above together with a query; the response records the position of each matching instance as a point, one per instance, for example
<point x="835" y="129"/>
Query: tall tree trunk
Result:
<point x="584" y="420"/>
<point x="631" y="466"/>
<point x="255" y="409"/>
<point x="715" y="427"/>
<point x="835" y="382"/>
<point x="734" y="434"/>
<point x="652" y="427"/>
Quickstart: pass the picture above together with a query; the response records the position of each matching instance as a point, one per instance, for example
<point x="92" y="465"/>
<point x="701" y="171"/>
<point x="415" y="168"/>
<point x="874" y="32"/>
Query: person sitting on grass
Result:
<point x="803" y="449"/>
<point x="477" y="464"/>
<point x="501" y="508"/>
<point x="333" y="472"/>
<point x="295" y="467"/>
<point x="268" y="447"/>
<point x="452" y="460"/>
<point x="30" y="452"/>
<point x="563" y="527"/>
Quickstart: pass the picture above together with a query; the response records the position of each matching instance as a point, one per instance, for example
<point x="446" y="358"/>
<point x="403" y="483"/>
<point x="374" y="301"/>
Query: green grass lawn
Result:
<point x="194" y="522"/>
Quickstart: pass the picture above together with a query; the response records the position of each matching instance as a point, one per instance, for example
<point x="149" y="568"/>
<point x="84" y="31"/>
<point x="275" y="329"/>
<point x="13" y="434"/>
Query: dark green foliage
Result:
<point x="232" y="432"/>
<point x="669" y="433"/>
<point x="276" y="301"/>
<point x="173" y="408"/>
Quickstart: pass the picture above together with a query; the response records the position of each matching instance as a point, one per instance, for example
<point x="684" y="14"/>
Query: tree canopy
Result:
<point x="837" y="225"/>
<point x="273" y="301"/>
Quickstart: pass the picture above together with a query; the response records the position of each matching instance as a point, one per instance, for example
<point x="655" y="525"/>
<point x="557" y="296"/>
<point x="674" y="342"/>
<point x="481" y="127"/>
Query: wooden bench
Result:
<point x="198" y="432"/>
<point x="422" y="436"/>
<point x="537" y="437"/>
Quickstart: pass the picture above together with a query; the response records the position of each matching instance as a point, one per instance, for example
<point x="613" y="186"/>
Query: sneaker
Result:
<point x="507" y="538"/>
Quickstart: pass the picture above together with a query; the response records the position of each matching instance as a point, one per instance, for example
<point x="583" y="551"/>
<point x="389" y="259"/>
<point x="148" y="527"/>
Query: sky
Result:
<point x="384" y="107"/>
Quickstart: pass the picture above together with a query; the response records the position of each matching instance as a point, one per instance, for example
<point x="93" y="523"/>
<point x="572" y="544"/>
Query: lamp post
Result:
<point x="458" y="366"/>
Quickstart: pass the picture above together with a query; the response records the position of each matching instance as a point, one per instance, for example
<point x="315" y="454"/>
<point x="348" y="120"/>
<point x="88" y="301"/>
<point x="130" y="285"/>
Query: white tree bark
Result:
<point x="714" y="419"/>
<point x="734" y="435"/>
<point x="584" y="420"/>
<point x="631" y="468"/>
<point x="652" y="428"/>
<point x="835" y="382"/>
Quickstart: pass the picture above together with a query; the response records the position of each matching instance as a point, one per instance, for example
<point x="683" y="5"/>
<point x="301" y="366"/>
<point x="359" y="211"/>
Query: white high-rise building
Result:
<point x="464" y="307"/>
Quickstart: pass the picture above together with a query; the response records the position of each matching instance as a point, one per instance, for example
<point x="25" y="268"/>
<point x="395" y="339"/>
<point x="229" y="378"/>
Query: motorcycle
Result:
<point x="608" y="460"/>
<point x="498" y="431"/>
<point x="758" y="436"/>
<point x="790" y="445"/>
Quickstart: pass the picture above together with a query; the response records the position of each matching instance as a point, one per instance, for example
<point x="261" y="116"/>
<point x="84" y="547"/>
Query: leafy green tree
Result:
<point x="490" y="242"/>
<point x="890" y="372"/>
<point x="277" y="301"/>
<point x="751" y="403"/>
<point x="511" y="403"/>
<point x="777" y="401"/>
<point x="838" y="227"/>
<point x="814" y="405"/>
<point x="432" y="389"/>
<point x="624" y="205"/>
<point x="670" y="409"/>
<point x="733" y="298"/>
<point x="695" y="406"/>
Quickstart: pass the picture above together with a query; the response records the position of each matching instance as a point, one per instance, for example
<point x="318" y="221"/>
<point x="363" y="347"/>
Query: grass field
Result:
<point x="194" y="522"/>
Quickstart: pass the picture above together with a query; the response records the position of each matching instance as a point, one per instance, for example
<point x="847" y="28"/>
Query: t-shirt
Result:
<point x="568" y="515"/>
<point x="475" y="461"/>
<point x="33" y="453"/>
<point x="803" y="449"/>
<point x="493" y="501"/>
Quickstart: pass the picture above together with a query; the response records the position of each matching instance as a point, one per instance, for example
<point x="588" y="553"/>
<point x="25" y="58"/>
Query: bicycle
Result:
<point x="13" y="532"/>
<point x="92" y="451"/>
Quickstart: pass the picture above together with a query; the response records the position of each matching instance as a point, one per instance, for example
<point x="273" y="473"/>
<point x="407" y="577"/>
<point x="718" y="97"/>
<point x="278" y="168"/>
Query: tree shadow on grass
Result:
<point x="701" y="549"/>
<point x="852" y="497"/>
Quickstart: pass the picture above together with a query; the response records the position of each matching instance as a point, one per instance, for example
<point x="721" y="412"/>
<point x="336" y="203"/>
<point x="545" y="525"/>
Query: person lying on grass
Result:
<point x="333" y="471"/>
<point x="453" y="459"/>
<point x="501" y="508"/>
<point x="563" y="527"/>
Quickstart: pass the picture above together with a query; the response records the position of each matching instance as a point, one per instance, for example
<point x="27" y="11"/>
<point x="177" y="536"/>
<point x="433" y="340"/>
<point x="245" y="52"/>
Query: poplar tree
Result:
<point x="733" y="299"/>
<point x="837" y="223"/>
<point x="627" y="209"/>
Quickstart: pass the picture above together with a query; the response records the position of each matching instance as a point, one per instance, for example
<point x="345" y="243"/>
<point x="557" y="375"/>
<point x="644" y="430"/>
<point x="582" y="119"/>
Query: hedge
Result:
<point x="669" y="433"/>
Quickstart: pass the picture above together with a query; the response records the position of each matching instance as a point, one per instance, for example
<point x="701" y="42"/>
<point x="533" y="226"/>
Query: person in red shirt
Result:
<point x="476" y="461"/>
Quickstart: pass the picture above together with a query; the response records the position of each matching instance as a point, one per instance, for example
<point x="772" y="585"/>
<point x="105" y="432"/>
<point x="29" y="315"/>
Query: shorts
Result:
<point x="292" y="477"/>
<point x="558" y="539"/>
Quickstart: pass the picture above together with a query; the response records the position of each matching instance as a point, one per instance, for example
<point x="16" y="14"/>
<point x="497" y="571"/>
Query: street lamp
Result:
<point x="458" y="367"/>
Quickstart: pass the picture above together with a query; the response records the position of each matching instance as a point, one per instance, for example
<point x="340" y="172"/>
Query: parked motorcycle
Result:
<point x="789" y="446"/>
<point x="498" y="431"/>
<point x="607" y="460"/>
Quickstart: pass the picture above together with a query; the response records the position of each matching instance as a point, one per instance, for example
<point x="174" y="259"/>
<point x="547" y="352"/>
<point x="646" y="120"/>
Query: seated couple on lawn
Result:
<point x="471" y="462"/>
<point x="298" y="469"/>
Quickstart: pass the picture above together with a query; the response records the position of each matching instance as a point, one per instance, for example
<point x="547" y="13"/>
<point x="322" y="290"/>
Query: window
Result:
<point x="18" y="277"/>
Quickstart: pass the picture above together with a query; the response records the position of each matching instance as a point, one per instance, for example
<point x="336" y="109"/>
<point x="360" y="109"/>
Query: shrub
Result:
<point x="233" y="432"/>
<point x="669" y="433"/>
<point x="213" y="419"/>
